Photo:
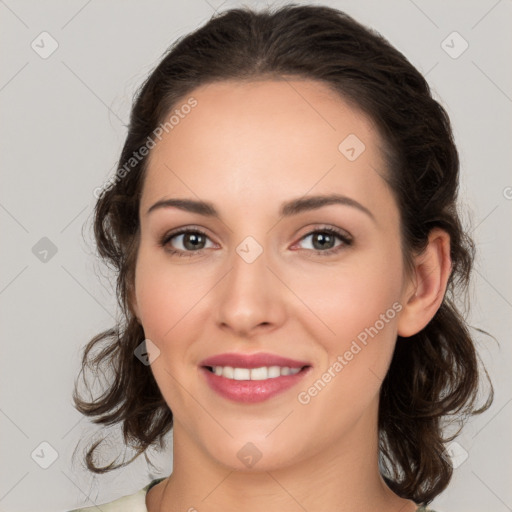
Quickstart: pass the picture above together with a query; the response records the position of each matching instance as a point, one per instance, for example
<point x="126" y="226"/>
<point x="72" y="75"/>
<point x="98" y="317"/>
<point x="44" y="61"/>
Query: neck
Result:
<point x="343" y="477"/>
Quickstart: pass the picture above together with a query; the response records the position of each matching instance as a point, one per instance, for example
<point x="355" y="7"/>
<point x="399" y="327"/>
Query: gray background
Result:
<point x="63" y="127"/>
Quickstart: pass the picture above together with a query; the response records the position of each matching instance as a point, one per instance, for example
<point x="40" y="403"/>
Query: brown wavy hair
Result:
<point x="435" y="374"/>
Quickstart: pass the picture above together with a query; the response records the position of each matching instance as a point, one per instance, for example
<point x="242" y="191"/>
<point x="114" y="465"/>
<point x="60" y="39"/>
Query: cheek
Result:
<point x="355" y="308"/>
<point x="346" y="300"/>
<point x="164" y="293"/>
<point x="173" y="309"/>
<point x="361" y="312"/>
<point x="165" y="298"/>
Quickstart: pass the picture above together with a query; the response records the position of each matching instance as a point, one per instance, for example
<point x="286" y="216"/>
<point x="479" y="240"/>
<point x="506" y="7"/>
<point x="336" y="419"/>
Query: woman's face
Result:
<point x="264" y="275"/>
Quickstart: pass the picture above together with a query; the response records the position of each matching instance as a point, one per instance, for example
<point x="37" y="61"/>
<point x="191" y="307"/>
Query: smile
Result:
<point x="252" y="385"/>
<point x="262" y="373"/>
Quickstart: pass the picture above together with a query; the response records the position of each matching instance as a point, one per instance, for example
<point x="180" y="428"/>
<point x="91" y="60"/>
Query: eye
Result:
<point x="191" y="240"/>
<point x="323" y="240"/>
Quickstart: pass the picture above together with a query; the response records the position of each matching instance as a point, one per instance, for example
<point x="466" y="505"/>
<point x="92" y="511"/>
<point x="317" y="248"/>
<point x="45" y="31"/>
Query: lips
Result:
<point x="251" y="391"/>
<point x="252" y="361"/>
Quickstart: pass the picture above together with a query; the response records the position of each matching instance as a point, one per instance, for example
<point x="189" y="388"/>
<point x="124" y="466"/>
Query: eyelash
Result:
<point x="164" y="241"/>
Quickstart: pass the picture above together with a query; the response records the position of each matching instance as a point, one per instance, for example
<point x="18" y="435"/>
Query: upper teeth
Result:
<point x="263" y="373"/>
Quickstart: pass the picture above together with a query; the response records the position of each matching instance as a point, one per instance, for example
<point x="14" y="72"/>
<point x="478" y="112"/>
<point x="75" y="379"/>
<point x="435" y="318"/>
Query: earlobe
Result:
<point x="425" y="293"/>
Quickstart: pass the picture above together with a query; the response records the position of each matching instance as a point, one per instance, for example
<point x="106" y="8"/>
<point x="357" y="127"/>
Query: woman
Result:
<point x="284" y="226"/>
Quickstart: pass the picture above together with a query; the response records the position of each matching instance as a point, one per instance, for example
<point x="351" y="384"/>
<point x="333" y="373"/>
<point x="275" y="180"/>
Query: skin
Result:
<point x="247" y="148"/>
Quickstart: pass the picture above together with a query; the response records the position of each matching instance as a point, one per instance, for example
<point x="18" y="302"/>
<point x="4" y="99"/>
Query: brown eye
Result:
<point x="193" y="241"/>
<point x="185" y="241"/>
<point x="324" y="241"/>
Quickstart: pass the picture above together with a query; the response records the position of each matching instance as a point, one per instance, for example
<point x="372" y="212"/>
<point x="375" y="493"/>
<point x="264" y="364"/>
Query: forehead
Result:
<point x="274" y="137"/>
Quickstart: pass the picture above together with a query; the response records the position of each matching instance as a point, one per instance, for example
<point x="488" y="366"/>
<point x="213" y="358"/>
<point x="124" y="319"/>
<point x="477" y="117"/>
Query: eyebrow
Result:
<point x="289" y="208"/>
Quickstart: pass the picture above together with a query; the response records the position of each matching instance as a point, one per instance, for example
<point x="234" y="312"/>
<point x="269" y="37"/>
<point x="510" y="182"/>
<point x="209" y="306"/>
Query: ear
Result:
<point x="427" y="285"/>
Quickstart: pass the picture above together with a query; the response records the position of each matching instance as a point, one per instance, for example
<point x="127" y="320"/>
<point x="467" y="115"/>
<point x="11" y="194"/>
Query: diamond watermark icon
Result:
<point x="44" y="455"/>
<point x="351" y="147"/>
<point x="249" y="249"/>
<point x="455" y="454"/>
<point x="146" y="352"/>
<point x="454" y="45"/>
<point x="44" y="250"/>
<point x="249" y="454"/>
<point x="44" y="45"/>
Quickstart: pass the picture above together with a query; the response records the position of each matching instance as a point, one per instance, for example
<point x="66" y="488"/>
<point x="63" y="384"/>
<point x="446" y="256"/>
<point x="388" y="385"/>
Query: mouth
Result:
<point x="261" y="373"/>
<point x="252" y="378"/>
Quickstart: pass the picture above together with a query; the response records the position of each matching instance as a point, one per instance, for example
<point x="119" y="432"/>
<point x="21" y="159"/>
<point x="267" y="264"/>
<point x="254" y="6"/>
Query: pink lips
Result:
<point x="252" y="361"/>
<point x="249" y="391"/>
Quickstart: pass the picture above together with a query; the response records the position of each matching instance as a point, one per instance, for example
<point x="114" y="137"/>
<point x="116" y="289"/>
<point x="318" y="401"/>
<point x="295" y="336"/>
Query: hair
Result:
<point x="435" y="374"/>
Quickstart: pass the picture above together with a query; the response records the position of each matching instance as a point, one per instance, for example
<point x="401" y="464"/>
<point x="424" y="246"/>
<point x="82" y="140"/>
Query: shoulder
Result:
<point x="135" y="502"/>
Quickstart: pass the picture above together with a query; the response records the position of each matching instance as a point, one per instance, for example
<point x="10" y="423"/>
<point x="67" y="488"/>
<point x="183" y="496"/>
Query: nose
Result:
<point x="250" y="299"/>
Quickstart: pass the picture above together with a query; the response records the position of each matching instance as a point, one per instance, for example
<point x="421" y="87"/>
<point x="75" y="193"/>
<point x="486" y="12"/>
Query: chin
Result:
<point x="259" y="455"/>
